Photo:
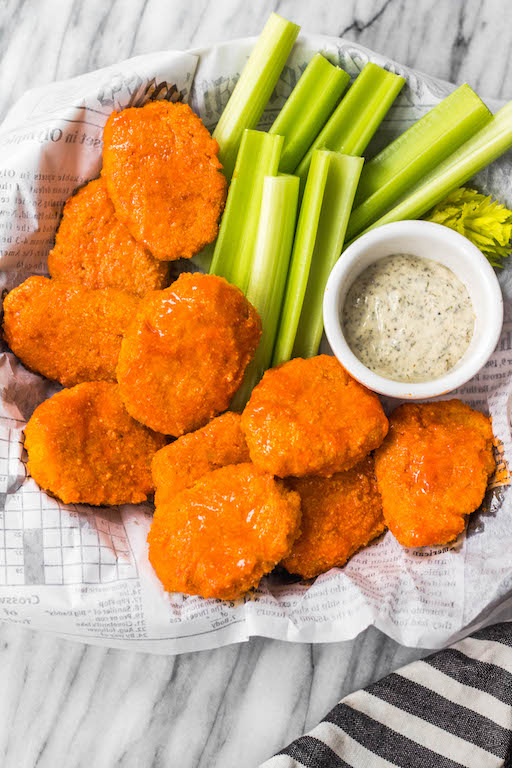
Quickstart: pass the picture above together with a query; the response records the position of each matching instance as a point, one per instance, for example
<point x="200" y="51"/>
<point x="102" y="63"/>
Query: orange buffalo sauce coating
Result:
<point x="92" y="247"/>
<point x="84" y="448"/>
<point x="340" y="514"/>
<point x="432" y="470"/>
<point x="164" y="177"/>
<point x="180" y="464"/>
<point x="184" y="356"/>
<point x="67" y="332"/>
<point x="310" y="417"/>
<point x="221" y="535"/>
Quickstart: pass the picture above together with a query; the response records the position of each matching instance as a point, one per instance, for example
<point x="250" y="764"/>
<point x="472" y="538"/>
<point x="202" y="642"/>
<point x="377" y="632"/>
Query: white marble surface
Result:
<point x="67" y="704"/>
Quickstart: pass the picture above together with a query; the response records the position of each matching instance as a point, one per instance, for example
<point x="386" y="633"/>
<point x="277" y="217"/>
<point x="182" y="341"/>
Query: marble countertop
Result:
<point x="67" y="704"/>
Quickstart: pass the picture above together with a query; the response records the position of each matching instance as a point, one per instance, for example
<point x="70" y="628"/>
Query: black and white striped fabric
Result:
<point x="452" y="709"/>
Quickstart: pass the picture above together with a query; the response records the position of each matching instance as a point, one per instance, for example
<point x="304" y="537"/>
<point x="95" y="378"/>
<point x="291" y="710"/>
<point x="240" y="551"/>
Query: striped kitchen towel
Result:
<point x="451" y="709"/>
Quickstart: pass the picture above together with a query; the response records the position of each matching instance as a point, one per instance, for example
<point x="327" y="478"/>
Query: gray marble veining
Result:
<point x="67" y="704"/>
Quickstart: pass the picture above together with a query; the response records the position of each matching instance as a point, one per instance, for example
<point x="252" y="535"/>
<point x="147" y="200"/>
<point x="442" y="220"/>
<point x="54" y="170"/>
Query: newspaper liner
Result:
<point x="83" y="572"/>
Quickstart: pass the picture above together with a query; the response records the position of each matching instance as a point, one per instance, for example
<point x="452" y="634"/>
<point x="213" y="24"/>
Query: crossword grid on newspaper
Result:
<point x="44" y="542"/>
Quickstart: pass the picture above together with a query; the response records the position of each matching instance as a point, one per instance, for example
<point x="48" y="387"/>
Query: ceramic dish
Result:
<point x="430" y="241"/>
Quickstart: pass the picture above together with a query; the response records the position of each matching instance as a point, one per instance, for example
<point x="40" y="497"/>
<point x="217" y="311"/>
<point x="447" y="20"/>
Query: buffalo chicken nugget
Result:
<point x="185" y="354"/>
<point x="164" y="177"/>
<point x="94" y="249"/>
<point x="180" y="464"/>
<point x="221" y="535"/>
<point x="340" y="514"/>
<point x="84" y="448"/>
<point x="66" y="332"/>
<point x="310" y="417"/>
<point x="432" y="470"/>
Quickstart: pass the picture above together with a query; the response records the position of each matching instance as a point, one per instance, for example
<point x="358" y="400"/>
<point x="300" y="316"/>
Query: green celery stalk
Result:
<point x="415" y="153"/>
<point x="480" y="150"/>
<point x="269" y="270"/>
<point x="303" y="247"/>
<point x="254" y="87"/>
<point x="307" y="109"/>
<point x="258" y="157"/>
<point x="340" y="190"/>
<point x="357" y="117"/>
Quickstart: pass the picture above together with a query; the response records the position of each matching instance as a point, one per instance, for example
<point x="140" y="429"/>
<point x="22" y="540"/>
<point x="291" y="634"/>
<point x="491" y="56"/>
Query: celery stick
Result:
<point x="307" y="109"/>
<point x="357" y="117"/>
<point x="483" y="148"/>
<point x="254" y="87"/>
<point x="258" y="157"/>
<point x="415" y="153"/>
<point x="340" y="189"/>
<point x="270" y="267"/>
<point x="302" y="253"/>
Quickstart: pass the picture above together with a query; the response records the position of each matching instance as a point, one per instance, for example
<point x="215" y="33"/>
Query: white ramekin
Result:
<point x="431" y="241"/>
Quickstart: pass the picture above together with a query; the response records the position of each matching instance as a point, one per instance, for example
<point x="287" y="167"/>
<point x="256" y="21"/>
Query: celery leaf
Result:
<point x="487" y="223"/>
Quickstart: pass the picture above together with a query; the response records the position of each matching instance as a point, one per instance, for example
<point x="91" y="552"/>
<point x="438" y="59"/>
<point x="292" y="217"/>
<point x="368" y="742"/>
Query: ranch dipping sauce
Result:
<point x="408" y="318"/>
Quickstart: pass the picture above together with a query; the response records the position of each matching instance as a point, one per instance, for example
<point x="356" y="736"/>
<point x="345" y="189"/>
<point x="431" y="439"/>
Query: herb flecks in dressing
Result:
<point x="407" y="318"/>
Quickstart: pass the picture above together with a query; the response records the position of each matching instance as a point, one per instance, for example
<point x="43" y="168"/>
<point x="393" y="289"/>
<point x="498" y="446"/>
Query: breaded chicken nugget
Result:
<point x="164" y="178"/>
<point x="340" y="514"/>
<point x="221" y="535"/>
<point x="432" y="470"/>
<point x="84" y="448"/>
<point x="184" y="356"/>
<point x="94" y="249"/>
<point x="310" y="417"/>
<point x="180" y="464"/>
<point x="67" y="332"/>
